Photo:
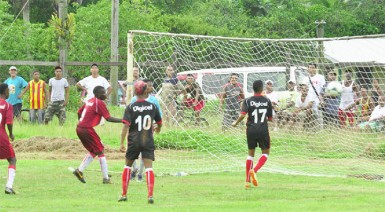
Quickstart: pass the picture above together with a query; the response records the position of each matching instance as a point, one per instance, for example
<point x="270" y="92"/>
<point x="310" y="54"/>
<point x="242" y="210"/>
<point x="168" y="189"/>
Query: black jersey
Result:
<point x="140" y="116"/>
<point x="259" y="110"/>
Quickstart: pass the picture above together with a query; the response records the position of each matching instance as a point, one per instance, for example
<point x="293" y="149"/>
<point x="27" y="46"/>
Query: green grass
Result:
<point x="47" y="185"/>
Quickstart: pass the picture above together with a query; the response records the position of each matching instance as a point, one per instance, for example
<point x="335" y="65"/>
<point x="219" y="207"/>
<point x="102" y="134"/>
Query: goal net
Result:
<point x="318" y="141"/>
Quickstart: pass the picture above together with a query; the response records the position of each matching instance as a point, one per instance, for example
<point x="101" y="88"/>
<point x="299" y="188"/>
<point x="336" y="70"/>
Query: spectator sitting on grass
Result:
<point x="377" y="118"/>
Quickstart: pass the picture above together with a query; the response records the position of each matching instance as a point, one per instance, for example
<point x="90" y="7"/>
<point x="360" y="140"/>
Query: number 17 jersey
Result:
<point x="259" y="110"/>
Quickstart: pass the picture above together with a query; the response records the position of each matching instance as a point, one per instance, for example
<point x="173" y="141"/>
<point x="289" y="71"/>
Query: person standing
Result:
<point x="170" y="91"/>
<point x="349" y="92"/>
<point x="232" y="95"/>
<point x="138" y="118"/>
<point x="89" y="83"/>
<point x="150" y="98"/>
<point x="193" y="97"/>
<point x="89" y="116"/>
<point x="259" y="110"/>
<point x="6" y="149"/>
<point x="37" y="98"/>
<point x="58" y="96"/>
<point x="15" y="84"/>
<point x="331" y="103"/>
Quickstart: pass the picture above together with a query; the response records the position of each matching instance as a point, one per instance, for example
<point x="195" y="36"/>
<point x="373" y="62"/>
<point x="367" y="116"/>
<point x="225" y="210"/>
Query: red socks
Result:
<point x="125" y="179"/>
<point x="261" y="162"/>
<point x="150" y="178"/>
<point x="249" y="165"/>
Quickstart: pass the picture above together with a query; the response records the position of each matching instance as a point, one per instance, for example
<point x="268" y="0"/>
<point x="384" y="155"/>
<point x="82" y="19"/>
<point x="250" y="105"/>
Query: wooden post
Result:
<point x="130" y="66"/>
<point x="63" y="13"/>
<point x="26" y="10"/>
<point x="114" y="50"/>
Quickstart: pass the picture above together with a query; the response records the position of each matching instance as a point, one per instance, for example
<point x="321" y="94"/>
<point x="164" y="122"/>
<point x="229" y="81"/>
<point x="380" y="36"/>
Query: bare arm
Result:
<point x="11" y="136"/>
<point x="49" y="93"/>
<point x="23" y="91"/>
<point x="123" y="137"/>
<point x="240" y="118"/>
<point x="67" y="91"/>
<point x="109" y="90"/>
<point x="114" y="120"/>
<point x="80" y="86"/>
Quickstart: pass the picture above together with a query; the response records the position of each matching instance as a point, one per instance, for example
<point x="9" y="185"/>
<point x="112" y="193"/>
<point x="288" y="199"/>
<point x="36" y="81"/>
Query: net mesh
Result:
<point x="313" y="143"/>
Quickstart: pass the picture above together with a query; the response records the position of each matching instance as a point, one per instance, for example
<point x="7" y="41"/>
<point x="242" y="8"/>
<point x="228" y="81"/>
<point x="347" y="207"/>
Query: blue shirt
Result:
<point x="15" y="85"/>
<point x="151" y="99"/>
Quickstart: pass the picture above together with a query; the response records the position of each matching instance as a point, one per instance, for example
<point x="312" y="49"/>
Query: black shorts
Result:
<point x="17" y="109"/>
<point x="257" y="138"/>
<point x="134" y="148"/>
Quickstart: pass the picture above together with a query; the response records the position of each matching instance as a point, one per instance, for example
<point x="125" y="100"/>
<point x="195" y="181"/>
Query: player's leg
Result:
<point x="134" y="170"/>
<point x="150" y="178"/>
<point x="62" y="113"/>
<point x="40" y="116"/>
<point x="131" y="155"/>
<point x="140" y="168"/>
<point x="104" y="167"/>
<point x="11" y="175"/>
<point x="48" y="113"/>
<point x="32" y="115"/>
<point x="251" y="144"/>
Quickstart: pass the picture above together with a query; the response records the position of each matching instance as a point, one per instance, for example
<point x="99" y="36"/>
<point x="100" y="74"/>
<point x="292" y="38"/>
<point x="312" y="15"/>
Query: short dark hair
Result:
<point x="36" y="71"/>
<point x="257" y="86"/>
<point x="348" y="71"/>
<point x="58" y="67"/>
<point x="94" y="64"/>
<point x="190" y="75"/>
<point x="312" y="64"/>
<point x="234" y="74"/>
<point x="3" y="88"/>
<point x="146" y="80"/>
<point x="97" y="89"/>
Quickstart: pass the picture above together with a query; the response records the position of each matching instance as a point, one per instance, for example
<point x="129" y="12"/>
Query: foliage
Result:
<point x="64" y="29"/>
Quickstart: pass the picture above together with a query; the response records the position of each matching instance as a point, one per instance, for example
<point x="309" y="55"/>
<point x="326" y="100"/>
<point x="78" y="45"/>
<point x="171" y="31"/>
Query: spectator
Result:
<point x="37" y="98"/>
<point x="135" y="76"/>
<point x="376" y="91"/>
<point x="347" y="98"/>
<point x="193" y="97"/>
<point x="376" y="120"/>
<point x="15" y="85"/>
<point x="366" y="103"/>
<point x="330" y="106"/>
<point x="89" y="83"/>
<point x="232" y="95"/>
<point x="271" y="94"/>
<point x="286" y="103"/>
<point x="304" y="108"/>
<point x="58" y="96"/>
<point x="315" y="85"/>
<point x="170" y="90"/>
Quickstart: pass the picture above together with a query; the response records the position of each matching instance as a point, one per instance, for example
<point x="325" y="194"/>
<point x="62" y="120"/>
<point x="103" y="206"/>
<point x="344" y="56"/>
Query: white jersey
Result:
<point x="301" y="104"/>
<point x="273" y="96"/>
<point x="377" y="113"/>
<point x="90" y="83"/>
<point x="318" y="81"/>
<point x="347" y="95"/>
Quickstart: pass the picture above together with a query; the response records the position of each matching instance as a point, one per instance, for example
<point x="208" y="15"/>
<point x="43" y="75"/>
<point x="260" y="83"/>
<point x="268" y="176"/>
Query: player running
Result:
<point x="138" y="117"/>
<point x="6" y="149"/>
<point x="90" y="115"/>
<point x="259" y="110"/>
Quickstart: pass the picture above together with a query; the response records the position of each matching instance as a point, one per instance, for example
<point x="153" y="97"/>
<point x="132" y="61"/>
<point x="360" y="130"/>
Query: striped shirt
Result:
<point x="36" y="94"/>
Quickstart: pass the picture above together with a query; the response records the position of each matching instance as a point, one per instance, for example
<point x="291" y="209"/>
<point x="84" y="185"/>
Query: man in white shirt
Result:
<point x="304" y="107"/>
<point x="89" y="83"/>
<point x="377" y="117"/>
<point x="317" y="81"/>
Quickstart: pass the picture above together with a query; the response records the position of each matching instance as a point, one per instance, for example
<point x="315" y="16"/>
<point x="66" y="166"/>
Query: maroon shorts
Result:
<point x="342" y="115"/>
<point x="190" y="104"/>
<point x="6" y="149"/>
<point x="90" y="140"/>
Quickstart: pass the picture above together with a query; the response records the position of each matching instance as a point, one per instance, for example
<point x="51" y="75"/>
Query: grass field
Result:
<point x="47" y="185"/>
<point x="44" y="183"/>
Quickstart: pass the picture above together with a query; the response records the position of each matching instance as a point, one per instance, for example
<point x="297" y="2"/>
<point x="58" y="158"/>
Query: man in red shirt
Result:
<point x="90" y="115"/>
<point x="6" y="149"/>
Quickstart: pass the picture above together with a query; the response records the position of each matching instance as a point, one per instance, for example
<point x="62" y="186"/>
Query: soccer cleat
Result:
<point x="123" y="199"/>
<point x="150" y="200"/>
<point x="247" y="185"/>
<point x="253" y="177"/>
<point x="107" y="181"/>
<point x="133" y="175"/>
<point x="140" y="178"/>
<point x="79" y="175"/>
<point x="9" y="191"/>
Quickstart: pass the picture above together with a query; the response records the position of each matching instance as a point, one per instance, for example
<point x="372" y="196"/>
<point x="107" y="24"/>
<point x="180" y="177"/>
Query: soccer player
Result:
<point x="150" y="98"/>
<point x="259" y="110"/>
<point x="90" y="115"/>
<point x="6" y="149"/>
<point x="37" y="98"/>
<point x="196" y="100"/>
<point x="138" y="118"/>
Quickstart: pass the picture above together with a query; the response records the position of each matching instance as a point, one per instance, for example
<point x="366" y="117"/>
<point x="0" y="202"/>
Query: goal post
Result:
<point x="314" y="146"/>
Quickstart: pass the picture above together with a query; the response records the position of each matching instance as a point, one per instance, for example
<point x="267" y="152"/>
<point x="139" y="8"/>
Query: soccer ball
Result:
<point x="334" y="89"/>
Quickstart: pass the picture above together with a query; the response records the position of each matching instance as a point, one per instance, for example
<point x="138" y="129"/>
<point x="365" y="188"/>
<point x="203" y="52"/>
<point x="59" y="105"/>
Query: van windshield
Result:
<point x="213" y="83"/>
<point x="278" y="78"/>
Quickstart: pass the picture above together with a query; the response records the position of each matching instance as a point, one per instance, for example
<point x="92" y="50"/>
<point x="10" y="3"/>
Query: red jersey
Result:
<point x="92" y="112"/>
<point x="6" y="117"/>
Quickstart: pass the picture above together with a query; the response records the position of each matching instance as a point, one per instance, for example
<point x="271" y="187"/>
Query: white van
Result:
<point x="212" y="80"/>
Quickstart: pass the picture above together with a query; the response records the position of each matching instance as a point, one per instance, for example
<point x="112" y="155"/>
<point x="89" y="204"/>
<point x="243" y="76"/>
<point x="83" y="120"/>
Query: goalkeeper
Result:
<point x="259" y="110"/>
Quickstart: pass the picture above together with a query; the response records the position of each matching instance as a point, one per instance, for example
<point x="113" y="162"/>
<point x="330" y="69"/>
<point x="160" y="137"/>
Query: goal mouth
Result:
<point x="323" y="141"/>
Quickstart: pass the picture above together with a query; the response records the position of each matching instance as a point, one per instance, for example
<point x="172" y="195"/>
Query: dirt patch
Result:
<point x="57" y="148"/>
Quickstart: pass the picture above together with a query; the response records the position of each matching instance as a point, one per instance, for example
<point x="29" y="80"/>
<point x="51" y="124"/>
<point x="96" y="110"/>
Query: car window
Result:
<point x="278" y="78"/>
<point x="213" y="83"/>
